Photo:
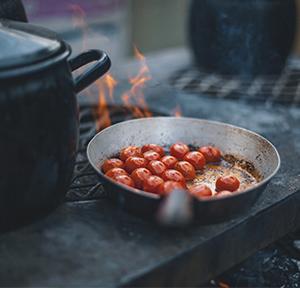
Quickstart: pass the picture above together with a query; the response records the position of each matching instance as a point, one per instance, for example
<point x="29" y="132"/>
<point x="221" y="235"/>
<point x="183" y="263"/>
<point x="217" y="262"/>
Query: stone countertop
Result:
<point x="94" y="243"/>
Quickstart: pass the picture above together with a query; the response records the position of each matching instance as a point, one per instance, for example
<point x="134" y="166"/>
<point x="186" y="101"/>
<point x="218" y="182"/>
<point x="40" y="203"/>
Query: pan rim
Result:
<point x="154" y="196"/>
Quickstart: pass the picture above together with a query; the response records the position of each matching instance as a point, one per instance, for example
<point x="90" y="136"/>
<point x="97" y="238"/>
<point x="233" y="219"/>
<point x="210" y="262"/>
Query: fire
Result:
<point x="177" y="111"/>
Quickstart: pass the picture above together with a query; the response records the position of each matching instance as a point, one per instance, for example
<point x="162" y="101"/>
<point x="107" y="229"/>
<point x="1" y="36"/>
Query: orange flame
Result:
<point x="223" y="285"/>
<point x="177" y="111"/>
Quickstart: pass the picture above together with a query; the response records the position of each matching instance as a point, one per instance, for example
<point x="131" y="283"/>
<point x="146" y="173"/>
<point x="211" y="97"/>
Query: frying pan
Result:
<point x="165" y="131"/>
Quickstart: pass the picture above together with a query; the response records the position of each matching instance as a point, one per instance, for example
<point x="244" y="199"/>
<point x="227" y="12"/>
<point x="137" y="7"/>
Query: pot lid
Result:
<point x="20" y="45"/>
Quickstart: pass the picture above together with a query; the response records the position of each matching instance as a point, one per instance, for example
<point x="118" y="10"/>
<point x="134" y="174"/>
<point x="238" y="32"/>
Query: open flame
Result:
<point x="133" y="99"/>
<point x="177" y="111"/>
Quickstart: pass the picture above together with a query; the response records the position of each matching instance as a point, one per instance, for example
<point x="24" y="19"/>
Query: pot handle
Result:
<point x="94" y="72"/>
<point x="176" y="209"/>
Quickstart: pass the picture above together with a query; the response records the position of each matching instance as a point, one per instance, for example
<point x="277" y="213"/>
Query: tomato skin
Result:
<point x="156" y="167"/>
<point x="223" y="194"/>
<point x="173" y="175"/>
<point x="113" y="173"/>
<point x="139" y="176"/>
<point x="186" y="169"/>
<point x="153" y="147"/>
<point x="201" y="191"/>
<point x="178" y="150"/>
<point x="169" y="186"/>
<point x="210" y="153"/>
<point x="112" y="163"/>
<point x="196" y="158"/>
<point x="229" y="183"/>
<point x="133" y="163"/>
<point x="153" y="184"/>
<point x="151" y="155"/>
<point x="125" y="180"/>
<point x="130" y="151"/>
<point x="169" y="161"/>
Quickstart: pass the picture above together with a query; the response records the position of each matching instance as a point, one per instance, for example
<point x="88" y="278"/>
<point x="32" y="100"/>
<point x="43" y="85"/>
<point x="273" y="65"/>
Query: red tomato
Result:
<point x="223" y="194"/>
<point x="196" y="159"/>
<point x="153" y="184"/>
<point x="211" y="154"/>
<point x="151" y="155"/>
<point x="186" y="169"/>
<point x="173" y="175"/>
<point x="112" y="163"/>
<point x="113" y="173"/>
<point x="139" y="176"/>
<point x="156" y="167"/>
<point x="125" y="180"/>
<point x="178" y="150"/>
<point x="169" y="161"/>
<point x="169" y="186"/>
<point x="130" y="151"/>
<point x="230" y="183"/>
<point x="200" y="191"/>
<point x="153" y="147"/>
<point x="133" y="163"/>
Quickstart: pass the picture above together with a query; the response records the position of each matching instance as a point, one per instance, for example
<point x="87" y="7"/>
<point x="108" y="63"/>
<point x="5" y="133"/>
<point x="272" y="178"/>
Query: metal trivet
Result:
<point x="284" y="88"/>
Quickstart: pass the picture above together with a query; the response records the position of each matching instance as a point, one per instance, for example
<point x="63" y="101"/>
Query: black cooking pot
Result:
<point x="38" y="117"/>
<point x="245" y="38"/>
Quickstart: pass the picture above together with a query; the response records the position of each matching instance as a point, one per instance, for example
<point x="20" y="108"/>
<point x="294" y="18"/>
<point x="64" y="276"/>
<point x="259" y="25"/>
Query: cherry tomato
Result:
<point x="223" y="194"/>
<point x="151" y="155"/>
<point x="196" y="159"/>
<point x="153" y="184"/>
<point x="186" y="169"/>
<point x="211" y="154"/>
<point x="113" y="173"/>
<point x="133" y="163"/>
<point x="139" y="175"/>
<point x="173" y="175"/>
<point x="112" y="163"/>
<point x="169" y="161"/>
<point x="178" y="150"/>
<point x="200" y="191"/>
<point x="230" y="183"/>
<point x="169" y="186"/>
<point x="156" y="167"/>
<point x="153" y="147"/>
<point x="125" y="180"/>
<point x="130" y="151"/>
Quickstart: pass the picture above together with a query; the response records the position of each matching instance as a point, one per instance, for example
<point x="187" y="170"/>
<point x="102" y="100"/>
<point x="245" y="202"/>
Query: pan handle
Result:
<point x="176" y="209"/>
<point x="99" y="68"/>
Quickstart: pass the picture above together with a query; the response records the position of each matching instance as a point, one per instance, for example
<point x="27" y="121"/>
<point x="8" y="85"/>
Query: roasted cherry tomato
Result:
<point x="133" y="163"/>
<point x="186" y="169"/>
<point x="125" y="180"/>
<point x="200" y="191"/>
<point x="196" y="158"/>
<point x="130" y="151"/>
<point x="153" y="184"/>
<point x="223" y="194"/>
<point x="173" y="175"/>
<point x="151" y="155"/>
<point x="229" y="183"/>
<point x="210" y="153"/>
<point x="169" y="161"/>
<point x="156" y="167"/>
<point x="112" y="163"/>
<point x="153" y="147"/>
<point x="139" y="175"/>
<point x="178" y="150"/>
<point x="169" y="186"/>
<point x="113" y="173"/>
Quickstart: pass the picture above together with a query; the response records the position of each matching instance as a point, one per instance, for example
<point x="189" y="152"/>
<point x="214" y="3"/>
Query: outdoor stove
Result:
<point x="89" y="241"/>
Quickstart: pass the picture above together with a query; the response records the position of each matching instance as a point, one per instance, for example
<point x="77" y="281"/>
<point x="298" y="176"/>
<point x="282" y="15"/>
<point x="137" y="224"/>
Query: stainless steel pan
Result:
<point x="164" y="131"/>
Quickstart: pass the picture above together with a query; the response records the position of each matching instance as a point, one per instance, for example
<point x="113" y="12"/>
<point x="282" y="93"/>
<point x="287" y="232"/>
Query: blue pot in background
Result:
<point x="242" y="37"/>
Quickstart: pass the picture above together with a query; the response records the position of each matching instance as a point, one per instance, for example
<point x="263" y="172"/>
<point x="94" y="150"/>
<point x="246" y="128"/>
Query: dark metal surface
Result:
<point x="166" y="130"/>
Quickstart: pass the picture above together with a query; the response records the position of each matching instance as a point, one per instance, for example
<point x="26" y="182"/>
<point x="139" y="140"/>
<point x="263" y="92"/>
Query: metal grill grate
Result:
<point x="284" y="88"/>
